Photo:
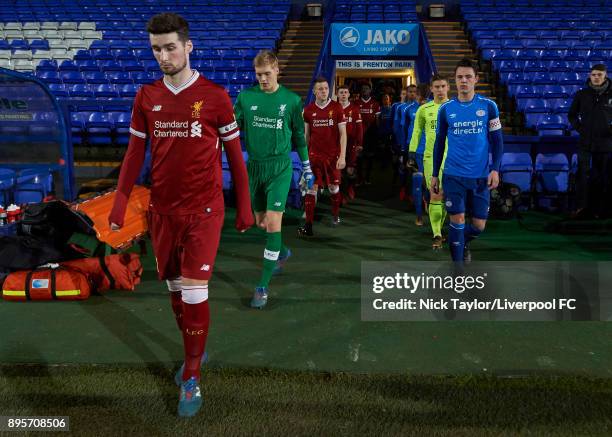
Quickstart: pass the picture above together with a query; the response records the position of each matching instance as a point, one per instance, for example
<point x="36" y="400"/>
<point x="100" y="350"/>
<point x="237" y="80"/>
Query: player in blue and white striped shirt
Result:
<point x="471" y="124"/>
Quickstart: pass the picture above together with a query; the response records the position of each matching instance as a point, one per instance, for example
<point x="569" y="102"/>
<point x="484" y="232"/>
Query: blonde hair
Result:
<point x="265" y="57"/>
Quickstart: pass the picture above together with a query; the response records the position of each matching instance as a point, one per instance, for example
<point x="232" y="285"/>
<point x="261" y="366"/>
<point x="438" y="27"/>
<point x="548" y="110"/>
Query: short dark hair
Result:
<point x="436" y="77"/>
<point x="423" y="90"/>
<point x="599" y="67"/>
<point x="168" y="23"/>
<point x="320" y="79"/>
<point x="343" y="87"/>
<point x="465" y="62"/>
<point x="411" y="86"/>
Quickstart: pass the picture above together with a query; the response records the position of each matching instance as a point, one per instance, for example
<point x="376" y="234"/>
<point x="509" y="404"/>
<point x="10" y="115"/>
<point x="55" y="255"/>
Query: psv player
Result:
<point x="325" y="130"/>
<point x="185" y="117"/>
<point x="354" y="136"/>
<point x="472" y="127"/>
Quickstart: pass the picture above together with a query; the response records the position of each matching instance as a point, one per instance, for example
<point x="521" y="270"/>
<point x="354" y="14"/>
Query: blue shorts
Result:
<point x="461" y="194"/>
<point x="419" y="160"/>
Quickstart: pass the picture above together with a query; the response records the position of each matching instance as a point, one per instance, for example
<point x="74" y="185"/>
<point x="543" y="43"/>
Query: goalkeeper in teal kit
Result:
<point x="270" y="116"/>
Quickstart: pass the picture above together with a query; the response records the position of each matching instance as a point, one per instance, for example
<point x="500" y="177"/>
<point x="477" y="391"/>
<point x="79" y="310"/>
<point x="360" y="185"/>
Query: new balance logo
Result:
<point x="157" y="108"/>
<point x="254" y="108"/>
<point x="196" y="129"/>
<point x="277" y="203"/>
<point x="205" y="267"/>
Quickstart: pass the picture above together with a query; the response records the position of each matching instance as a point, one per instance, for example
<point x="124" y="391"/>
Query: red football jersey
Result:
<point x="370" y="109"/>
<point x="353" y="124"/>
<point x="324" y="134"/>
<point x="185" y="126"/>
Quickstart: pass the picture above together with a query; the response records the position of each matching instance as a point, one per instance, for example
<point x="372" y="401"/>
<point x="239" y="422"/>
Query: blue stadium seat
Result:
<point x="553" y="92"/>
<point x="72" y="77"/>
<point x="119" y="77"/>
<point x="80" y="90"/>
<point x="49" y="77"/>
<point x="87" y="65"/>
<point x="102" y="54"/>
<point x="140" y="77"/>
<point x="95" y="77"/>
<point x="128" y="90"/>
<point x="543" y="78"/>
<point x="131" y="65"/>
<point x="109" y="65"/>
<point x="533" y="66"/>
<point x="517" y="168"/>
<point x="532" y="119"/>
<point x="560" y="106"/>
<point x="83" y="55"/>
<point x="7" y="184"/>
<point x="527" y="92"/>
<point x="552" y="173"/>
<point x="106" y="91"/>
<point x="47" y="65"/>
<point x="68" y="65"/>
<point x="121" y="122"/>
<point x="99" y="128"/>
<point x="551" y="124"/>
<point x="58" y="89"/>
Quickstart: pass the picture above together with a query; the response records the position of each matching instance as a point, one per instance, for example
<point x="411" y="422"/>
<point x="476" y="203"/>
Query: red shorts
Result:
<point x="185" y="245"/>
<point x="325" y="171"/>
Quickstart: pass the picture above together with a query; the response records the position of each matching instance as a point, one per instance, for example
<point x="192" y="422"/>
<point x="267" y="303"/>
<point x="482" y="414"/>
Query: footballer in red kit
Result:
<point x="325" y="131"/>
<point x="370" y="112"/>
<point x="354" y="134"/>
<point x="186" y="118"/>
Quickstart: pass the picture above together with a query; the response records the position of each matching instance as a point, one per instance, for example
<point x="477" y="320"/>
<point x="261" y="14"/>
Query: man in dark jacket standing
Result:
<point x="591" y="115"/>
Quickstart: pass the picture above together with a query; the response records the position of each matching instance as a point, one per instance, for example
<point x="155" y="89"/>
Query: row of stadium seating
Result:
<point x="540" y="69"/>
<point x="375" y="11"/>
<point x="128" y="90"/>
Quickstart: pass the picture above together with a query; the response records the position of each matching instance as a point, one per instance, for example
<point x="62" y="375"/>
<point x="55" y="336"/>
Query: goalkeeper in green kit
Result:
<point x="270" y="116"/>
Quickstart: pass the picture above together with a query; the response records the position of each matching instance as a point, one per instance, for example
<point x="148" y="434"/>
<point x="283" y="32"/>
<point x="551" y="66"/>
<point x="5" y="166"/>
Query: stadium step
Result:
<point x="298" y="54"/>
<point x="449" y="44"/>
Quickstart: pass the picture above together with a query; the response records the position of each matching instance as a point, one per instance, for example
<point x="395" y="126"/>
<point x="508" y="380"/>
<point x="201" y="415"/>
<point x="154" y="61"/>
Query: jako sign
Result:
<point x="375" y="39"/>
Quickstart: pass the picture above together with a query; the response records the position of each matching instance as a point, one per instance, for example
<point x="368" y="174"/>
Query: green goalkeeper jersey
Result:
<point x="270" y="122"/>
<point x="426" y="119"/>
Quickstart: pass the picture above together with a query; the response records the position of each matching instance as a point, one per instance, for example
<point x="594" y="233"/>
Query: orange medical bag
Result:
<point x="46" y="283"/>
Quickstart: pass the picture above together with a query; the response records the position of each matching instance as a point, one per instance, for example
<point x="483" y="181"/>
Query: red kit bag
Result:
<point x="47" y="283"/>
<point x="112" y="272"/>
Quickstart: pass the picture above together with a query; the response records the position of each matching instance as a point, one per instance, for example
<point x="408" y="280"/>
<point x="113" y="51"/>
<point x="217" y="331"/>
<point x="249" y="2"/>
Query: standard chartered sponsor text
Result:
<point x="265" y="122"/>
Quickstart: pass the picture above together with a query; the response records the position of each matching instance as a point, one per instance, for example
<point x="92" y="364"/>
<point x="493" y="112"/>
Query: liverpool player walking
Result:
<point x="354" y="137"/>
<point x="185" y="117"/>
<point x="270" y="116"/>
<point x="325" y="128"/>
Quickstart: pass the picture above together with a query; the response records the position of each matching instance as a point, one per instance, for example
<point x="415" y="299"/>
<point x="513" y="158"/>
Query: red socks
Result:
<point x="196" y="318"/>
<point x="310" y="202"/>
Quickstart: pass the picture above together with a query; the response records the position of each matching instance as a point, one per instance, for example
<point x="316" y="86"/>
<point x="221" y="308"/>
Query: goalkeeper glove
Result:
<point x="308" y="175"/>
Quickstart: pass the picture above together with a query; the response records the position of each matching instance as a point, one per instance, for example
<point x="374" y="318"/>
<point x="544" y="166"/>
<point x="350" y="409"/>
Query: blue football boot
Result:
<point x="190" y="399"/>
<point x="260" y="297"/>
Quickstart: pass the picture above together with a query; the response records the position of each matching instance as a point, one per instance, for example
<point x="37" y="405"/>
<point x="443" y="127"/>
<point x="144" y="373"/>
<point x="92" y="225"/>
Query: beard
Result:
<point x="173" y="71"/>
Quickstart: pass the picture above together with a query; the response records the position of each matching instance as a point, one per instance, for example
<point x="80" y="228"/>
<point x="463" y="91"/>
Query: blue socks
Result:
<point x="470" y="232"/>
<point x="417" y="192"/>
<point x="456" y="240"/>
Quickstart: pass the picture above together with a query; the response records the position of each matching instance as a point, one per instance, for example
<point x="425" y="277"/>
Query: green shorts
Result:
<point x="428" y="170"/>
<point x="269" y="182"/>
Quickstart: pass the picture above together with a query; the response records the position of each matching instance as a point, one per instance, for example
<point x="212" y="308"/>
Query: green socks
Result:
<point x="436" y="217"/>
<point x="271" y="253"/>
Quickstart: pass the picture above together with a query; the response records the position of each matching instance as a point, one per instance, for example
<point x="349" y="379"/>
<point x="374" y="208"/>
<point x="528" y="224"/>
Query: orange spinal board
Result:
<point x="135" y="223"/>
